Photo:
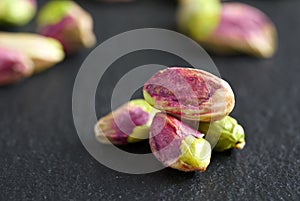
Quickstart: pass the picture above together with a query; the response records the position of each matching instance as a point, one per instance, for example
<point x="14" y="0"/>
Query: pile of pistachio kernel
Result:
<point x="175" y="100"/>
<point x="228" y="27"/>
<point x="63" y="28"/>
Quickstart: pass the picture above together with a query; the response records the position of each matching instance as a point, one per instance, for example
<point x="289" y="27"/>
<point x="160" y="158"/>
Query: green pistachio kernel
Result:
<point x="195" y="152"/>
<point x="199" y="18"/>
<point x="45" y="52"/>
<point x="231" y="133"/>
<point x="142" y="132"/>
<point x="129" y="123"/>
<point x="53" y="12"/>
<point x="138" y="133"/>
<point x="16" y="12"/>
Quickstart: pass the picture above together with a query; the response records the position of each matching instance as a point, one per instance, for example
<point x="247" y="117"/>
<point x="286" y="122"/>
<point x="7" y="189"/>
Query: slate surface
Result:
<point x="43" y="158"/>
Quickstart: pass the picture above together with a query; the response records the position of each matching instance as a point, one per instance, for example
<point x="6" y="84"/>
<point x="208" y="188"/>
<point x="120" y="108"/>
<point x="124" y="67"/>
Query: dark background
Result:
<point x="42" y="157"/>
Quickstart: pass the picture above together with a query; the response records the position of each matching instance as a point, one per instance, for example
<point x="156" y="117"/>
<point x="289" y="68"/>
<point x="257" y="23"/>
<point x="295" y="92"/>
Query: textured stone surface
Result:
<point x="41" y="156"/>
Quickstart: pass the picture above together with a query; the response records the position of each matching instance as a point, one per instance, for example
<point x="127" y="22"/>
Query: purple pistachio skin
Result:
<point x="33" y="2"/>
<point x="166" y="136"/>
<point x="13" y="66"/>
<point x="60" y="32"/>
<point x="118" y="125"/>
<point x="243" y="29"/>
<point x="74" y="29"/>
<point x="190" y="94"/>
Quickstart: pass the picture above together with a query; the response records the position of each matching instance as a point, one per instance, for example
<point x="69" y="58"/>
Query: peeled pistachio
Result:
<point x="67" y="22"/>
<point x="13" y="66"/>
<point x="242" y="29"/>
<point x="178" y="146"/>
<point x="230" y="133"/>
<point x="190" y="94"/>
<point x="198" y="18"/>
<point x="17" y="12"/>
<point x="127" y="124"/>
<point x="43" y="51"/>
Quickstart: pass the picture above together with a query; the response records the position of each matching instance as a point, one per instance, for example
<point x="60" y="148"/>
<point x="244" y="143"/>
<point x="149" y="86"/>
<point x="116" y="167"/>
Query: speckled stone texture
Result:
<point x="42" y="158"/>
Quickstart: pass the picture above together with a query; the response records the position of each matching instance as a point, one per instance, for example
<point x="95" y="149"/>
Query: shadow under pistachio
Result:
<point x="174" y="175"/>
<point x="142" y="147"/>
